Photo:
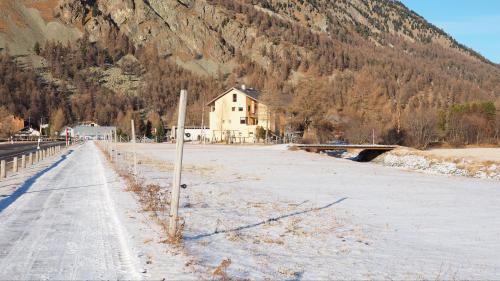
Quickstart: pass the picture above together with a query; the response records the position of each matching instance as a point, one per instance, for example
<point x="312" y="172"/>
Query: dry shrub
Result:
<point x="220" y="271"/>
<point x="177" y="239"/>
<point x="152" y="199"/>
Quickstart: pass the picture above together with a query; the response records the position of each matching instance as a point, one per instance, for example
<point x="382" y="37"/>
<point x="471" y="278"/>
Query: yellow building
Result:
<point x="236" y="114"/>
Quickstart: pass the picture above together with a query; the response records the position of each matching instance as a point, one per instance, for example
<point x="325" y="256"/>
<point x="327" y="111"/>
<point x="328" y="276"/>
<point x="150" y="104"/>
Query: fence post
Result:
<point x="116" y="148"/>
<point x="174" y="202"/>
<point x="23" y="162"/>
<point x="133" y="146"/>
<point x="30" y="158"/>
<point x="3" y="173"/>
<point x="14" y="165"/>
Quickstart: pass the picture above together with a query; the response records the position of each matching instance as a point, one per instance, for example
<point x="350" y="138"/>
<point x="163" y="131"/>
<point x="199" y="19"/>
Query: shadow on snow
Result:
<point x="263" y="222"/>
<point x="4" y="203"/>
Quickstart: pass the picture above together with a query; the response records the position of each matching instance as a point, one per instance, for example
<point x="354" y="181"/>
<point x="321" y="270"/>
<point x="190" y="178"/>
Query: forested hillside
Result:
<point x="332" y="69"/>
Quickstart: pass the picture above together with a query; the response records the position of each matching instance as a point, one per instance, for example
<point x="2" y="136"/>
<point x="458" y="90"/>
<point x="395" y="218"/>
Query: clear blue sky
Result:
<point x="474" y="23"/>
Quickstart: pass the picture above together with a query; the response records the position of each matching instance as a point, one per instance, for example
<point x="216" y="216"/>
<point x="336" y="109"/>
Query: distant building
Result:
<point x="63" y="132"/>
<point x="92" y="131"/>
<point x="191" y="133"/>
<point x="27" y="133"/>
<point x="236" y="114"/>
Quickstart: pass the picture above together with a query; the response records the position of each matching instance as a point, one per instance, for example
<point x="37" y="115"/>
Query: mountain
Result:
<point x="330" y="66"/>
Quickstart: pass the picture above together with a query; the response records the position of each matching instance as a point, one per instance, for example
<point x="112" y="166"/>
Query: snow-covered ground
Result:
<point x="283" y="214"/>
<point x="71" y="219"/>
<point x="266" y="211"/>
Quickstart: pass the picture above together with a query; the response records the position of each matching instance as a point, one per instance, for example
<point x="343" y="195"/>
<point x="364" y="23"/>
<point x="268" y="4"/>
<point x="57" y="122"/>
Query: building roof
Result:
<point x="92" y="131"/>
<point x="250" y="92"/>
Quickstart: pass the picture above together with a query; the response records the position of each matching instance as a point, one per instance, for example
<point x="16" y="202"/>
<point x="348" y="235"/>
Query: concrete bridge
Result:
<point x="367" y="154"/>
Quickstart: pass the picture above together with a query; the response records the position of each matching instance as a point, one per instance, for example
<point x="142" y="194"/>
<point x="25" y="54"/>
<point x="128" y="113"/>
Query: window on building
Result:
<point x="233" y="109"/>
<point x="240" y="108"/>
<point x="249" y="108"/>
<point x="243" y="120"/>
<point x="212" y="108"/>
<point x="234" y="97"/>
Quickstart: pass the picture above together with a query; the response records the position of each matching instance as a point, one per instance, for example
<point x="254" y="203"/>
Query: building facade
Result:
<point x="236" y="115"/>
<point x="92" y="131"/>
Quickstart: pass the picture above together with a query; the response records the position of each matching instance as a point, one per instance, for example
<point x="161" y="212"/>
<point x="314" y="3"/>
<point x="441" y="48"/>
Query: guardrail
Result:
<point x="23" y="160"/>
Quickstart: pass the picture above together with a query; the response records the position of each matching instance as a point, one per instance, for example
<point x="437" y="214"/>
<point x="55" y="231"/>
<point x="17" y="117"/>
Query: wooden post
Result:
<point x="174" y="202"/>
<point x="23" y="162"/>
<point x="109" y="146"/>
<point x="3" y="172"/>
<point x="30" y="158"/>
<point x="133" y="146"/>
<point x="116" y="147"/>
<point x="14" y="165"/>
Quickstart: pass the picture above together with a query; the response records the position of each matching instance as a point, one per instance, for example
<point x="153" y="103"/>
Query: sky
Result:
<point x="474" y="23"/>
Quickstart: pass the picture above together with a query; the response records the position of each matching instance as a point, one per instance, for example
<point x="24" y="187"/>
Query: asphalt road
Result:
<point x="8" y="151"/>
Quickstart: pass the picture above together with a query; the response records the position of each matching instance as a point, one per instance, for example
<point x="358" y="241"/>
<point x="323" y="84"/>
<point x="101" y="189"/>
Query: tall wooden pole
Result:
<point x="133" y="144"/>
<point x="174" y="202"/>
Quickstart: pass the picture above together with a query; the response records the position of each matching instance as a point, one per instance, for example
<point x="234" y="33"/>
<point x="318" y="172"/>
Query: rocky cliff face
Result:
<point x="25" y="22"/>
<point x="205" y="35"/>
<point x="323" y="62"/>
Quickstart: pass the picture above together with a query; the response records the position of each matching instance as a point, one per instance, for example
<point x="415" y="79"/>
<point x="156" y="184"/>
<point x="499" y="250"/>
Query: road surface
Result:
<point x="7" y="150"/>
<point x="62" y="224"/>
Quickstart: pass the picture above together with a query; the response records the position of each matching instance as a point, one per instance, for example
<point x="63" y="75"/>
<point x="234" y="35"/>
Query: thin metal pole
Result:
<point x="203" y="118"/>
<point x="174" y="202"/>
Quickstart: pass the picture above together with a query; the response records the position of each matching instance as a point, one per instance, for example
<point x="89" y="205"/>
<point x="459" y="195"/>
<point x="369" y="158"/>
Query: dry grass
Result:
<point x="45" y="7"/>
<point x="152" y="198"/>
<point x="220" y="272"/>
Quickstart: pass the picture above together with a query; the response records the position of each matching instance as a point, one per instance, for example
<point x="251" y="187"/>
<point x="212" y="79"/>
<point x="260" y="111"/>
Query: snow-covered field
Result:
<point x="266" y="211"/>
<point x="70" y="219"/>
<point x="283" y="214"/>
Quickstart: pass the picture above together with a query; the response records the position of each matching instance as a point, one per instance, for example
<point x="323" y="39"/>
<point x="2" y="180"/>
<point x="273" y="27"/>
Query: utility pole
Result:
<point x="174" y="202"/>
<point x="133" y="144"/>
